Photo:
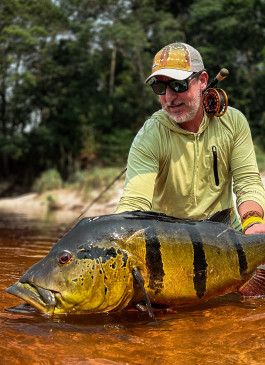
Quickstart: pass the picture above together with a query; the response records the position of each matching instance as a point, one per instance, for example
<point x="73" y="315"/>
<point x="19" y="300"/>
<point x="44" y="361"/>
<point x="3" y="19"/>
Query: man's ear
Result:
<point x="203" y="79"/>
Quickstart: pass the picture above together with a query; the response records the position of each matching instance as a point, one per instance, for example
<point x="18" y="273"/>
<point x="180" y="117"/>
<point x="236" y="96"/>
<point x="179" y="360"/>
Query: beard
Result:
<point x="188" y="116"/>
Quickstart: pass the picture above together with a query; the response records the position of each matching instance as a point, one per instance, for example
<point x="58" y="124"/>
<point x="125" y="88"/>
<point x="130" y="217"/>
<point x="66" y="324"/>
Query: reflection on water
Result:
<point x="225" y="330"/>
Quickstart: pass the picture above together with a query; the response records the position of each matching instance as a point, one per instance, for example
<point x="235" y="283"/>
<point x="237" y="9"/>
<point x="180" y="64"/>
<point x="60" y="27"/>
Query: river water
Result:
<point x="226" y="330"/>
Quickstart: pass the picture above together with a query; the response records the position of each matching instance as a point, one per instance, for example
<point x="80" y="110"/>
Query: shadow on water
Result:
<point x="227" y="329"/>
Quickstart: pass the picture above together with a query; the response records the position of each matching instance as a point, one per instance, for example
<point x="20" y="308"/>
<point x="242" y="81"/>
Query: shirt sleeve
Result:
<point x="142" y="170"/>
<point x="246" y="177"/>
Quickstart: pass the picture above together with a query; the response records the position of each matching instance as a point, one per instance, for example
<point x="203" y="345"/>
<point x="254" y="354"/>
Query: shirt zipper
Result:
<point x="196" y="153"/>
<point x="215" y="166"/>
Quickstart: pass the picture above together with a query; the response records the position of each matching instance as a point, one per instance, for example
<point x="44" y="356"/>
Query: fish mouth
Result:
<point x="40" y="298"/>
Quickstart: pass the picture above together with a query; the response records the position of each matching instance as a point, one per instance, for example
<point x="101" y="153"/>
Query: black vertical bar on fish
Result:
<point x="199" y="262"/>
<point x="154" y="259"/>
<point x="242" y="260"/>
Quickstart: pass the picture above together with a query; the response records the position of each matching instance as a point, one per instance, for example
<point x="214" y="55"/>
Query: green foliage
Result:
<point x="72" y="74"/>
<point x="48" y="180"/>
<point x="115" y="146"/>
<point x="230" y="33"/>
<point x="96" y="177"/>
<point x="52" y="203"/>
<point x="95" y="180"/>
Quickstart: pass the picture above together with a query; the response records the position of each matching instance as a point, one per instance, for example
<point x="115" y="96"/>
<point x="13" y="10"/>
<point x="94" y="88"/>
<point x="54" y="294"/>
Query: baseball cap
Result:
<point x="176" y="60"/>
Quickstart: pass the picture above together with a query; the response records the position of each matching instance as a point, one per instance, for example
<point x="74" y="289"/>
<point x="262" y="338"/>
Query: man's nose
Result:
<point x="170" y="94"/>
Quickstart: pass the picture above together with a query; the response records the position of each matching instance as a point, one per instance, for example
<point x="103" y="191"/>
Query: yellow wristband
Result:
<point x="251" y="220"/>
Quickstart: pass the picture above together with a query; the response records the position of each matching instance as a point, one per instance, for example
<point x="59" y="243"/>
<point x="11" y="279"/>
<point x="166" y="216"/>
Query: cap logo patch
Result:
<point x="172" y="57"/>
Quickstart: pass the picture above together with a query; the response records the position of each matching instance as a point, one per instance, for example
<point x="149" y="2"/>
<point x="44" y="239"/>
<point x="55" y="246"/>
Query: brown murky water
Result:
<point x="227" y="330"/>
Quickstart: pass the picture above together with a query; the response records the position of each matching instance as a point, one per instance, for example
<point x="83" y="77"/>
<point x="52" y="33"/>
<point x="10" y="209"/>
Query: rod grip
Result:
<point x="222" y="74"/>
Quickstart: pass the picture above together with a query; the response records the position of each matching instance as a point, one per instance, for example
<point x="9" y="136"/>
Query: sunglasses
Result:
<point x="179" y="86"/>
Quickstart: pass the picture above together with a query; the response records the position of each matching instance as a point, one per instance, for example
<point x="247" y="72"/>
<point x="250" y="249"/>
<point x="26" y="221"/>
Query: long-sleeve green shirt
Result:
<point x="190" y="175"/>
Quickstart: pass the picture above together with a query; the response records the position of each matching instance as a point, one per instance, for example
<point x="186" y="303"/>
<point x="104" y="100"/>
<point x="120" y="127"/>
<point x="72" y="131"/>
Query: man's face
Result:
<point x="186" y="106"/>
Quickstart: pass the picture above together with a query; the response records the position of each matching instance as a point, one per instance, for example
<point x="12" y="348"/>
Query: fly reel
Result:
<point x="215" y="102"/>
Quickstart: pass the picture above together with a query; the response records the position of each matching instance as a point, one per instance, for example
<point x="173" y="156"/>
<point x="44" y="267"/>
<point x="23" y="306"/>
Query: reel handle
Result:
<point x="222" y="74"/>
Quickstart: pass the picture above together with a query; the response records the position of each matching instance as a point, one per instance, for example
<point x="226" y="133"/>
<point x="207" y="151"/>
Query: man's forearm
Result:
<point x="255" y="224"/>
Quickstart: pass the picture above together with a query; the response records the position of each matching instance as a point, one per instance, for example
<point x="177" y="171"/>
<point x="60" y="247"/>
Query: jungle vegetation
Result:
<point x="72" y="91"/>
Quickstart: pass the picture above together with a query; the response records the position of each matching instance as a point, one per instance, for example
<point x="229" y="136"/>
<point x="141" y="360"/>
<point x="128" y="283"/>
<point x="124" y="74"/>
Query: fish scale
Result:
<point x="190" y="264"/>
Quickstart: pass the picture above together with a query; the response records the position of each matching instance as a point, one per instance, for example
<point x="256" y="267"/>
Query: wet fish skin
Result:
<point x="182" y="262"/>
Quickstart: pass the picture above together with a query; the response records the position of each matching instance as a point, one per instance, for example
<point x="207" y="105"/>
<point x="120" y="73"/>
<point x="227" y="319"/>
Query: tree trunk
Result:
<point x="112" y="71"/>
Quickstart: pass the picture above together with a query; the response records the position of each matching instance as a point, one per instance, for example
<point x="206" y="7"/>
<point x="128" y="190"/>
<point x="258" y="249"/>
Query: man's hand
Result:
<point x="256" y="228"/>
<point x="248" y="206"/>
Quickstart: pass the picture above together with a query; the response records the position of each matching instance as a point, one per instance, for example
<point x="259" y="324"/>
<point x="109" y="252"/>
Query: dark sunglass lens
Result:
<point x="179" y="86"/>
<point x="159" y="87"/>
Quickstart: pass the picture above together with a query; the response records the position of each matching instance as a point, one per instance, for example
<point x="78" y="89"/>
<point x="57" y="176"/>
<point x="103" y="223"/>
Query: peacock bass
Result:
<point x="110" y="262"/>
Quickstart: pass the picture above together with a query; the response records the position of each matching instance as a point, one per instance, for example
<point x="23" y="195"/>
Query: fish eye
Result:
<point x="65" y="257"/>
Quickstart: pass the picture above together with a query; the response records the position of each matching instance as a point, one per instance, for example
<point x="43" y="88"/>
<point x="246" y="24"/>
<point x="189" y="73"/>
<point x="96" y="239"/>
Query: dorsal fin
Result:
<point x="222" y="216"/>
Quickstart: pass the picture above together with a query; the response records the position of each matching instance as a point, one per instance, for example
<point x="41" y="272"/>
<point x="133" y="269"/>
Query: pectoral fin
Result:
<point x="255" y="287"/>
<point x="140" y="280"/>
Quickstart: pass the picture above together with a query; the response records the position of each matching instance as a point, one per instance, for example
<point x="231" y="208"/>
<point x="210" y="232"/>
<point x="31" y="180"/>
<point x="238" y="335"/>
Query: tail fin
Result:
<point x="255" y="287"/>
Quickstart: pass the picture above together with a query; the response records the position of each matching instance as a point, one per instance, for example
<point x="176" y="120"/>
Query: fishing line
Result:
<point x="97" y="198"/>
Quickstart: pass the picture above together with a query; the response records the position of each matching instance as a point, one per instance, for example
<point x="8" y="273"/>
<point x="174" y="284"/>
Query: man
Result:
<point x="183" y="163"/>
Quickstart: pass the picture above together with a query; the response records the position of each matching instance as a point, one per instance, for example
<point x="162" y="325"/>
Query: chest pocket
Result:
<point x="215" y="166"/>
<point x="218" y="167"/>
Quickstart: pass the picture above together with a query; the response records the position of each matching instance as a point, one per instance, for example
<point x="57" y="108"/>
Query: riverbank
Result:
<point x="68" y="203"/>
<point x="65" y="202"/>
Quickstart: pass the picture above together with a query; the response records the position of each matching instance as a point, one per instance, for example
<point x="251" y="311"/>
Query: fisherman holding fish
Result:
<point x="183" y="162"/>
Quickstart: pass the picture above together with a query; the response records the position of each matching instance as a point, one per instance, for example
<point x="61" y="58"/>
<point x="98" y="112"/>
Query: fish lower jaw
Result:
<point x="41" y="299"/>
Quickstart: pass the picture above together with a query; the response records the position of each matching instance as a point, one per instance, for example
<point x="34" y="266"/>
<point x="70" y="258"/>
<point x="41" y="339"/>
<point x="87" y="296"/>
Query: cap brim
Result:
<point x="172" y="73"/>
